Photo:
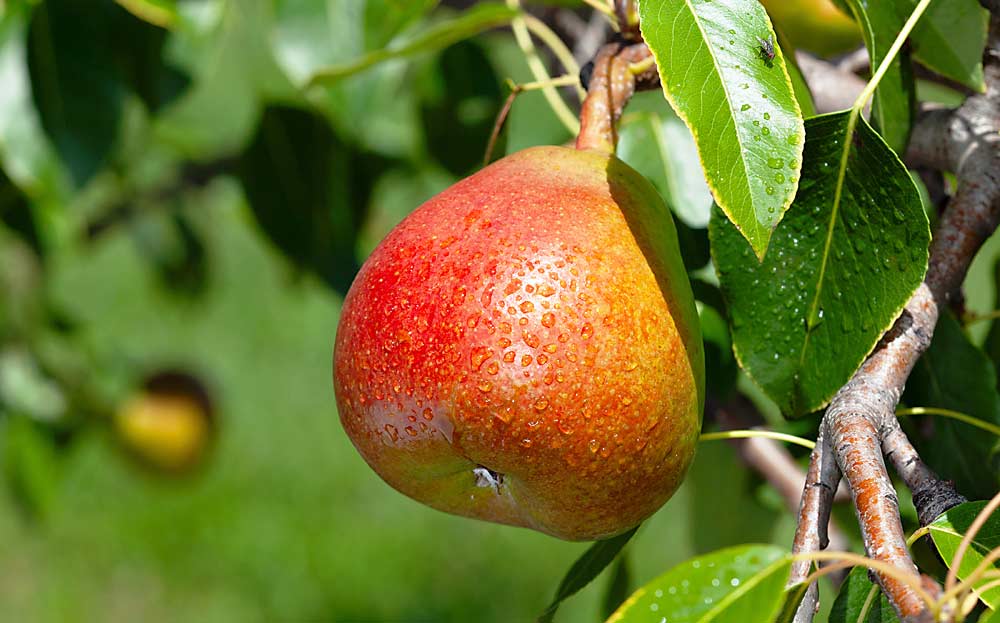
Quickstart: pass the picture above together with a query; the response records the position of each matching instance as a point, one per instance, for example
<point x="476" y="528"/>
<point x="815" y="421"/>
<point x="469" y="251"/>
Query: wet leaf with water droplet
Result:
<point x="689" y="40"/>
<point x="845" y="253"/>
<point x="688" y="593"/>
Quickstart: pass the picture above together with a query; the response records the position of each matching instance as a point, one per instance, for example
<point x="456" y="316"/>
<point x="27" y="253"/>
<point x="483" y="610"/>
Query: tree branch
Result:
<point x="860" y="421"/>
<point x="832" y="88"/>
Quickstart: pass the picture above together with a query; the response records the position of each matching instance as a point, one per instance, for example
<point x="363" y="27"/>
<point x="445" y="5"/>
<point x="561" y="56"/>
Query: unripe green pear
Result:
<point x="524" y="348"/>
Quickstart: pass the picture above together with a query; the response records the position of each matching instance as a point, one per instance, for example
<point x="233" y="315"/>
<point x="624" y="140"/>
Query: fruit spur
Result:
<point x="524" y="348"/>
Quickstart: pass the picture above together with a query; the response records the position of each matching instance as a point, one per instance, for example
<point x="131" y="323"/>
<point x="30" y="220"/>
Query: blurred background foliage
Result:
<point x="176" y="195"/>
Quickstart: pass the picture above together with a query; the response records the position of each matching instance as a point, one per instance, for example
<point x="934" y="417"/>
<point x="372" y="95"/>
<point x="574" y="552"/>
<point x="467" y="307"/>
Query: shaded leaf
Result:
<point x="460" y="100"/>
<point x="895" y="98"/>
<point x="737" y="101"/>
<point x="950" y="38"/>
<point x="735" y="585"/>
<point x="619" y="586"/>
<point x="30" y="465"/>
<point x="139" y="50"/>
<point x="954" y="374"/>
<point x="309" y="191"/>
<point x="843" y="263"/>
<point x="856" y="604"/>
<point x="74" y="81"/>
<point x="720" y="365"/>
<point x="947" y="532"/>
<point x="587" y="567"/>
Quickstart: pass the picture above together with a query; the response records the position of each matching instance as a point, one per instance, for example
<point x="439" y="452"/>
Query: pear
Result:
<point x="524" y="348"/>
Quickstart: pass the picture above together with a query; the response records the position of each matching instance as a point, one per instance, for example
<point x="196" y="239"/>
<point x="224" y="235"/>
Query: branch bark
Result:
<point x="860" y="423"/>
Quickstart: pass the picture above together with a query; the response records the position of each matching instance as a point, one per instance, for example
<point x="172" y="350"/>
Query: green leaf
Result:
<point x="895" y="98"/>
<point x="619" y="586"/>
<point x="844" y="261"/>
<point x="377" y="109"/>
<point x="735" y="585"/>
<point x="856" y="602"/>
<point x="473" y="21"/>
<point x="950" y="38"/>
<point x="585" y="569"/>
<point x="30" y="464"/>
<point x="25" y="151"/>
<point x="161" y="13"/>
<point x="460" y="100"/>
<point x="720" y="366"/>
<point x="225" y="47"/>
<point x="947" y="532"/>
<point x="655" y="142"/>
<point x="309" y="191"/>
<point x="384" y="19"/>
<point x="739" y="104"/>
<point x="954" y="374"/>
<point x="74" y="81"/>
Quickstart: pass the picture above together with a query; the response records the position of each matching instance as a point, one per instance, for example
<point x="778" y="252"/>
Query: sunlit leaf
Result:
<point x="738" y="101"/>
<point x="735" y="585"/>
<point x="950" y="38"/>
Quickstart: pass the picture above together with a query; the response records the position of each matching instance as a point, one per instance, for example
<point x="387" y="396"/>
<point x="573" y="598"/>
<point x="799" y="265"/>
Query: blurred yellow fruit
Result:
<point x="814" y="25"/>
<point x="167" y="426"/>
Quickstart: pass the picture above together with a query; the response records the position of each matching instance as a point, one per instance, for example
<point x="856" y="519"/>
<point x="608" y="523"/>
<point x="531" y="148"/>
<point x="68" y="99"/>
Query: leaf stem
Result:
<point x="520" y="27"/>
<point x="767" y="434"/>
<point x="972" y="317"/>
<point x="955" y="415"/>
<point x="890" y="56"/>
<point x="552" y="41"/>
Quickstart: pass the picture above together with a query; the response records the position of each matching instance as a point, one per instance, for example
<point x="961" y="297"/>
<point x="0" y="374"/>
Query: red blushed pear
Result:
<point x="524" y="348"/>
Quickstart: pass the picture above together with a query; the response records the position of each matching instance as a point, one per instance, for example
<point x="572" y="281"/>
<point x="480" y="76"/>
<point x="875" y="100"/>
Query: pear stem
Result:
<point x="612" y="84"/>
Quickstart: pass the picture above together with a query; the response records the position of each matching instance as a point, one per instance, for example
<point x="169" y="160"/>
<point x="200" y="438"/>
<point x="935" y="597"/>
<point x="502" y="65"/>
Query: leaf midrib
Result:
<point x="852" y="121"/>
<point x="753" y="581"/>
